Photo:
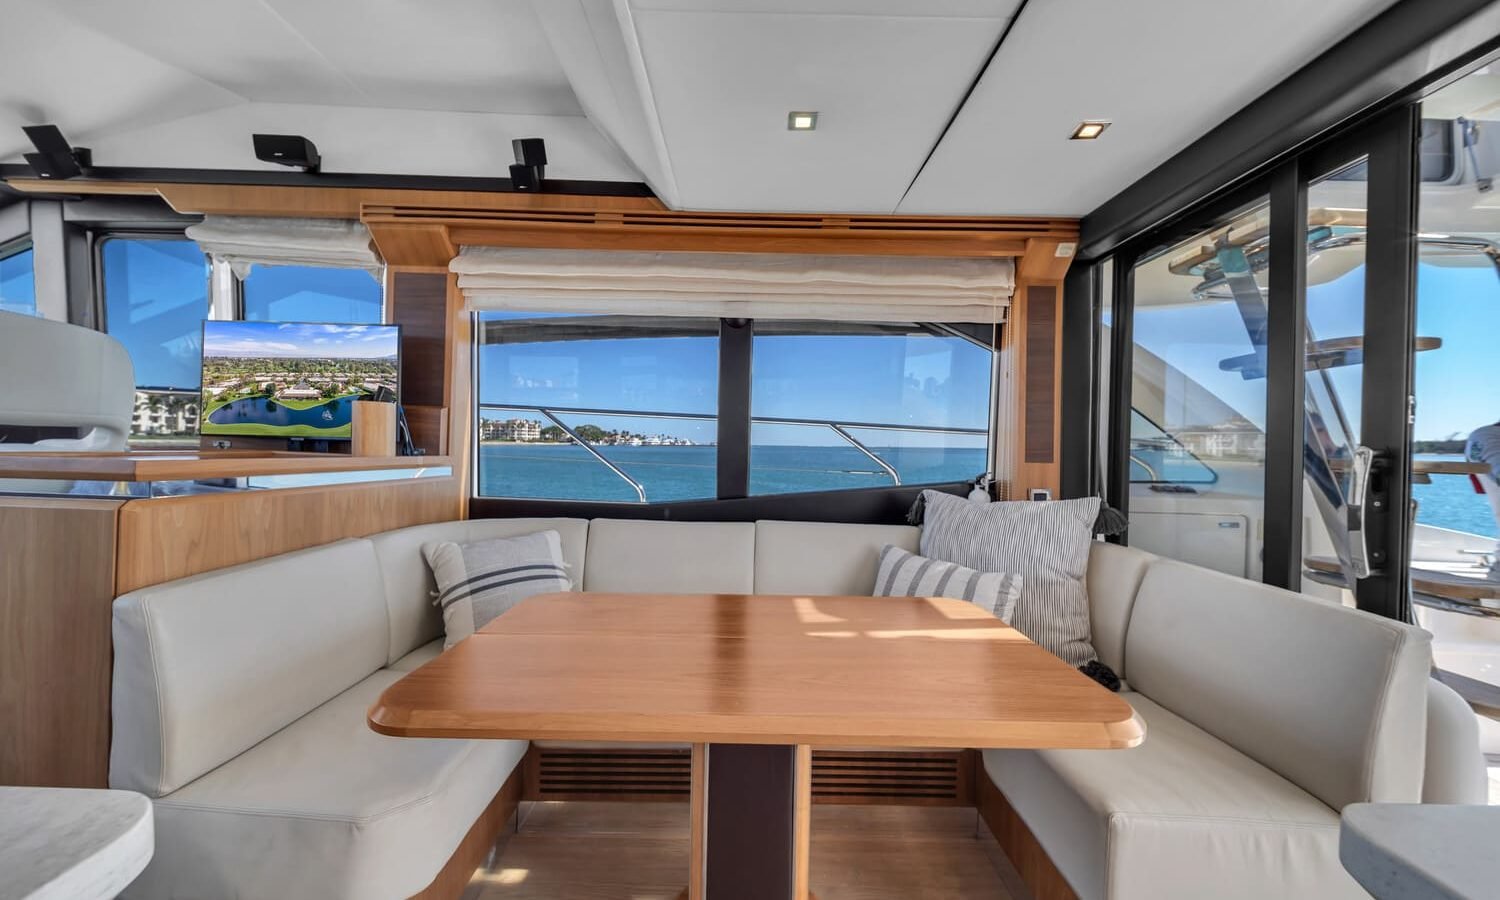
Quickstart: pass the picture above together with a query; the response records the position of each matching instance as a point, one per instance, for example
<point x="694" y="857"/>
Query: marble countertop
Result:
<point x="72" y="843"/>
<point x="1410" y="851"/>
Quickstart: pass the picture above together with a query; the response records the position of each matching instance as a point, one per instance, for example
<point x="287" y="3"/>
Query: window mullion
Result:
<point x="736" y="339"/>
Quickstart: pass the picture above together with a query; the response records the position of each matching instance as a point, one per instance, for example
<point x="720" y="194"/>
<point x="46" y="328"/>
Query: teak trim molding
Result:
<point x="425" y="235"/>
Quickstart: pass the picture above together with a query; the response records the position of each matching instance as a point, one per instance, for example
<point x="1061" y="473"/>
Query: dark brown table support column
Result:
<point x="754" y="838"/>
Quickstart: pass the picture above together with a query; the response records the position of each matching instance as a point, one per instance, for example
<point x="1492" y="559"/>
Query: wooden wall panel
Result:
<point x="174" y="537"/>
<point x="418" y="303"/>
<point x="1020" y="845"/>
<point x="452" y="882"/>
<point x="429" y="428"/>
<point x="57" y="560"/>
<point x="1028" y="417"/>
<point x="458" y="369"/>
<point x="1040" y="391"/>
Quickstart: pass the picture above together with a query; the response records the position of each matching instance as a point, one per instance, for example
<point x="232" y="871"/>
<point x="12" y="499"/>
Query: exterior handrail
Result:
<point x="866" y="451"/>
<point x="640" y="492"/>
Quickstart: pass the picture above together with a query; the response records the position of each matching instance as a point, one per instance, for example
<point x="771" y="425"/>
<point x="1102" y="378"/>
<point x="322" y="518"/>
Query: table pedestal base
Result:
<point x="751" y="807"/>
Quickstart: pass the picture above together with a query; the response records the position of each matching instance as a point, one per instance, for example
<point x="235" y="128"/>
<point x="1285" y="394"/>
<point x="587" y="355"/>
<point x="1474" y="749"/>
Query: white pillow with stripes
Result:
<point x="903" y="574"/>
<point x="479" y="581"/>
<point x="1046" y="543"/>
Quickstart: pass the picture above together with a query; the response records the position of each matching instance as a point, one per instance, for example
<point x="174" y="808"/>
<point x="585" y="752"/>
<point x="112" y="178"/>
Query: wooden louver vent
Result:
<point x="916" y="778"/>
<point x="607" y="774"/>
<point x="938" y="778"/>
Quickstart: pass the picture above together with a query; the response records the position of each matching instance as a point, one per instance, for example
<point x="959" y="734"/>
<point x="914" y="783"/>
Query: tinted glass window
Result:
<point x="155" y="301"/>
<point x="312" y="294"/>
<point x="17" y="283"/>
<point x="597" y="407"/>
<point x="846" y="405"/>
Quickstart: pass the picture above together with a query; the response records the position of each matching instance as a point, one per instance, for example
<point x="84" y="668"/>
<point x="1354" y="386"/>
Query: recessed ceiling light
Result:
<point x="1088" y="130"/>
<point x="801" y="120"/>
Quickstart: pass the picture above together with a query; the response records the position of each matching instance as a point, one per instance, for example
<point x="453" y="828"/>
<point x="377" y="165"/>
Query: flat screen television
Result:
<point x="293" y="379"/>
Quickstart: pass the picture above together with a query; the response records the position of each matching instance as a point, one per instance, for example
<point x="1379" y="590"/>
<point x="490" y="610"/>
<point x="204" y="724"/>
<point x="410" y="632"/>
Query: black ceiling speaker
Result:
<point x="288" y="150"/>
<point x="54" y="157"/>
<point x="531" y="162"/>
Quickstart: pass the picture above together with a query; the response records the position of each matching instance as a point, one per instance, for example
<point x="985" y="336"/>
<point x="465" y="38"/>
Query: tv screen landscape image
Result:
<point x="292" y="380"/>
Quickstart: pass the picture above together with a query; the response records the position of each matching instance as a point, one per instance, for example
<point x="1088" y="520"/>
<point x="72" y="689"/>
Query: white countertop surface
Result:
<point x="1410" y="851"/>
<point x="72" y="843"/>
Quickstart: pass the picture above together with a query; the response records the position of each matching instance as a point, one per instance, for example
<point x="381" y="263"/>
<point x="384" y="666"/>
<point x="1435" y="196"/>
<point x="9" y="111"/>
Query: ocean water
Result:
<point x="568" y="472"/>
<point x="1451" y="502"/>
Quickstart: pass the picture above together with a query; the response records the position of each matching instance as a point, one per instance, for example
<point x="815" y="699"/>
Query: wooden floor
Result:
<point x="639" y="851"/>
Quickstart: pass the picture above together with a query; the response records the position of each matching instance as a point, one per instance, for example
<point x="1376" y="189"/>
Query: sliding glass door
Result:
<point x="1264" y="430"/>
<point x="1197" y="449"/>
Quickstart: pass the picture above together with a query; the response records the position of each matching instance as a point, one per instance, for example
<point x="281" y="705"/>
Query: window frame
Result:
<point x="733" y="502"/>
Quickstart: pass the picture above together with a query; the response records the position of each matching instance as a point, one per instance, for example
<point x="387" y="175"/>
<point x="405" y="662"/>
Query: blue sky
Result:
<point x="296" y="340"/>
<point x="17" y="286"/>
<point x="1455" y="384"/>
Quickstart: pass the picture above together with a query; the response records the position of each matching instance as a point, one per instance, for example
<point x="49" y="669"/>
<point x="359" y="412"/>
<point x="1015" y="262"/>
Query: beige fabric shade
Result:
<point x="246" y="241"/>
<point x="736" y="285"/>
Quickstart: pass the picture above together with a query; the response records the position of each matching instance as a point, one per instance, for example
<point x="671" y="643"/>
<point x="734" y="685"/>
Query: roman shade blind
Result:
<point x="246" y="241"/>
<point x="736" y="285"/>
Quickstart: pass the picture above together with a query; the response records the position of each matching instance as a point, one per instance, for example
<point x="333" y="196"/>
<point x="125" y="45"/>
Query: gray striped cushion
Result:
<point x="479" y="581"/>
<point x="903" y="574"/>
<point x="1047" y="543"/>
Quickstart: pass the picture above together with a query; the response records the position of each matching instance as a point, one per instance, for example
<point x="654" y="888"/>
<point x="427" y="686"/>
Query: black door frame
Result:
<point x="1390" y="144"/>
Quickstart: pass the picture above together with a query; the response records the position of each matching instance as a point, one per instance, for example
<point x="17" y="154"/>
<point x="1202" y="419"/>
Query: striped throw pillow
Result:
<point x="1046" y="543"/>
<point x="479" y="581"/>
<point x="903" y="574"/>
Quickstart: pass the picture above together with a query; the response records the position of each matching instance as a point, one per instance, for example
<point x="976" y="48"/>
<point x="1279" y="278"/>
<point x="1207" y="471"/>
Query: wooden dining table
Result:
<point x="753" y="683"/>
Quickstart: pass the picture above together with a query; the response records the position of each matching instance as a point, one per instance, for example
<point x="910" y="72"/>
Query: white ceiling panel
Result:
<point x="1165" y="72"/>
<point x="978" y="9"/>
<point x="723" y="82"/>
<point x="459" y="55"/>
<point x="53" y="70"/>
<point x="241" y="45"/>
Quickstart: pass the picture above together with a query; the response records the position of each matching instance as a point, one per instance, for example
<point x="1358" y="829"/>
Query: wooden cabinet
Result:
<point x="63" y="560"/>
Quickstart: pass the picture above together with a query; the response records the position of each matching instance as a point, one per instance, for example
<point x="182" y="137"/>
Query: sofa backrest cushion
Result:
<point x="1114" y="576"/>
<point x="671" y="557"/>
<point x="208" y="666"/>
<point x="1331" y="698"/>
<point x="408" y="578"/>
<point x="823" y="559"/>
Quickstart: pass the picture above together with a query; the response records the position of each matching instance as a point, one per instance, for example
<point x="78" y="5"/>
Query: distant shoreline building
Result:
<point x="163" y="414"/>
<point x="518" y="430"/>
<point x="1235" y="438"/>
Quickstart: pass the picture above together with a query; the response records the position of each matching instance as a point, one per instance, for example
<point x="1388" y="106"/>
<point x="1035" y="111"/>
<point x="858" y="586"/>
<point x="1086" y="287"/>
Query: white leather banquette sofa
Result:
<point x="240" y="697"/>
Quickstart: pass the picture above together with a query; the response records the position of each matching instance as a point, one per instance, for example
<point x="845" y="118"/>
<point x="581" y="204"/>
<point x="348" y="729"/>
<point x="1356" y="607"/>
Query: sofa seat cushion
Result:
<point x="1183" y="815"/>
<point x="418" y="657"/>
<point x="325" y="808"/>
